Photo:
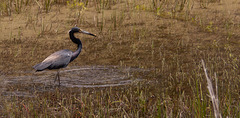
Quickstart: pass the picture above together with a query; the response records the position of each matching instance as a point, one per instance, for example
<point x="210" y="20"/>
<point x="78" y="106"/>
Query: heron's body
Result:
<point x="59" y="59"/>
<point x="62" y="58"/>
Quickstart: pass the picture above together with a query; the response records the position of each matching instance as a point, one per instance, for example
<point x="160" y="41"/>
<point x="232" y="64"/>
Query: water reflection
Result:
<point x="24" y="83"/>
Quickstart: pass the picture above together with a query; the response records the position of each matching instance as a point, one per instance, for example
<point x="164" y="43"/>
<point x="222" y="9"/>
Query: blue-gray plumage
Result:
<point x="62" y="58"/>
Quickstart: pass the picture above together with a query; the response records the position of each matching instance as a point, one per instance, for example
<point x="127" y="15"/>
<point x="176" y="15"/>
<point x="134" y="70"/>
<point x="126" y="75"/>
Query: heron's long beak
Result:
<point x="85" y="32"/>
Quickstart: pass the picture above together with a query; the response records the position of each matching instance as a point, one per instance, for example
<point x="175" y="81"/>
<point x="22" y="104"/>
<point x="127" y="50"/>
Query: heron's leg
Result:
<point x="57" y="75"/>
<point x="58" y="79"/>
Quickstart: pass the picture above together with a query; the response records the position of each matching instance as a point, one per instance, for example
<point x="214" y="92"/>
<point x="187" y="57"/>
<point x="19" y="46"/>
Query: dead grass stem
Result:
<point x="213" y="96"/>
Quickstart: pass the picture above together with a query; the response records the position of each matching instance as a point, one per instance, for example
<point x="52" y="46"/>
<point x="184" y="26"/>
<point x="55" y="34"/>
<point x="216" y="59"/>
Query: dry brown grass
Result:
<point x="166" y="37"/>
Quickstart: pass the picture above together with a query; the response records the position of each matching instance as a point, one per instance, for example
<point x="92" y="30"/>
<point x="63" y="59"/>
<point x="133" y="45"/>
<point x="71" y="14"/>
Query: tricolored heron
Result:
<point x="62" y="58"/>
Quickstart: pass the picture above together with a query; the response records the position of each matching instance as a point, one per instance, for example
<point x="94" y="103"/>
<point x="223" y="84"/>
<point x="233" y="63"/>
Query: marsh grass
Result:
<point x="15" y="6"/>
<point x="47" y="5"/>
<point x="147" y="34"/>
<point x="104" y="4"/>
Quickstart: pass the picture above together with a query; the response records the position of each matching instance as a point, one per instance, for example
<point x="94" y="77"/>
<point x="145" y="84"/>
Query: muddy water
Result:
<point x="25" y="83"/>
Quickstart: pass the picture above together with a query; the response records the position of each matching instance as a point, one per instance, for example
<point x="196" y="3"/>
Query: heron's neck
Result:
<point x="73" y="38"/>
<point x="77" y="52"/>
<point x="77" y="41"/>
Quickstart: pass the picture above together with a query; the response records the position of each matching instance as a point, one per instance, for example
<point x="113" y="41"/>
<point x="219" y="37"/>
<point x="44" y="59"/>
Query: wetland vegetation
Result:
<point x="145" y="61"/>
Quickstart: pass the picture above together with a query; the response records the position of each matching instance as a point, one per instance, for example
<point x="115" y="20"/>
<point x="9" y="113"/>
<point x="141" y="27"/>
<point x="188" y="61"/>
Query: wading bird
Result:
<point x="62" y="58"/>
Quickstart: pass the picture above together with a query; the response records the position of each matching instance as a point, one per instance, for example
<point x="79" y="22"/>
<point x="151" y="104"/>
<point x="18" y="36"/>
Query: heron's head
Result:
<point x="78" y="30"/>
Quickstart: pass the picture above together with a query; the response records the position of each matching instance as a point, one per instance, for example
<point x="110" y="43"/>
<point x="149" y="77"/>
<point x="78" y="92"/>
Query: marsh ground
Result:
<point x="144" y="62"/>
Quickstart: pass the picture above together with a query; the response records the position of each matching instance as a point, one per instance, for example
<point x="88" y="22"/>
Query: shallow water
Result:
<point x="25" y="83"/>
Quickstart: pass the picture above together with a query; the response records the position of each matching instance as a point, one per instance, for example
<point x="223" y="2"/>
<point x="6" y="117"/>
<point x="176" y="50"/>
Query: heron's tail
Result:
<point x="40" y="66"/>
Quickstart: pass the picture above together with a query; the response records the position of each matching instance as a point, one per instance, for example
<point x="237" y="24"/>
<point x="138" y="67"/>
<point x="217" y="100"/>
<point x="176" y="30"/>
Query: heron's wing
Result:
<point x="56" y="60"/>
